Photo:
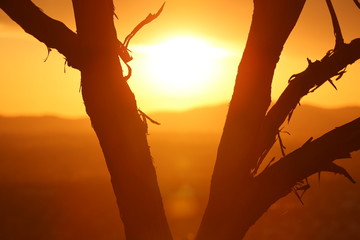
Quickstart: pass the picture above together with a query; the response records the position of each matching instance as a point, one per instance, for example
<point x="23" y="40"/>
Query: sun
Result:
<point x="181" y="65"/>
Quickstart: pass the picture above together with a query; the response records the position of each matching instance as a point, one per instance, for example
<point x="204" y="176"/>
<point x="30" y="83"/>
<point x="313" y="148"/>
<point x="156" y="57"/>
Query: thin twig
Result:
<point x="147" y="117"/>
<point x="48" y="53"/>
<point x="337" y="31"/>
<point x="282" y="147"/>
<point x="123" y="50"/>
<point x="144" y="118"/>
<point x="147" y="20"/>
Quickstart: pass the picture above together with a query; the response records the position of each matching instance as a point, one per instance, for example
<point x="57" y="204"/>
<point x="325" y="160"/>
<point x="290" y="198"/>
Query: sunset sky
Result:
<point x="208" y="36"/>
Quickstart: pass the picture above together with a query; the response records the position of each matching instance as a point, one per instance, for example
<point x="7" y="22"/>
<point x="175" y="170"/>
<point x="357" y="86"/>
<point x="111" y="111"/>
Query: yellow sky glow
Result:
<point x="179" y="62"/>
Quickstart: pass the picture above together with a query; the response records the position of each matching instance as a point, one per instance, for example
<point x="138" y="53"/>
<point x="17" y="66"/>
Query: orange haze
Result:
<point x="30" y="86"/>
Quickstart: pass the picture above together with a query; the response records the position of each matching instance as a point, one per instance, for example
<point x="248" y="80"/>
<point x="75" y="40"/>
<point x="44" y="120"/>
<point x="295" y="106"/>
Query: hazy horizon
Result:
<point x="224" y="104"/>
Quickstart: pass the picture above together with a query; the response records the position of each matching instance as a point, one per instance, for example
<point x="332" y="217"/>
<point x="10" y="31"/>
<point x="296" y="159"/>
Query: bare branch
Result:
<point x="302" y="186"/>
<point x="148" y="118"/>
<point x="316" y="74"/>
<point x="332" y="167"/>
<point x="339" y="41"/>
<point x="282" y="146"/>
<point x="147" y="20"/>
<point x="123" y="50"/>
<point x="313" y="157"/>
<point x="47" y="30"/>
<point x="144" y="118"/>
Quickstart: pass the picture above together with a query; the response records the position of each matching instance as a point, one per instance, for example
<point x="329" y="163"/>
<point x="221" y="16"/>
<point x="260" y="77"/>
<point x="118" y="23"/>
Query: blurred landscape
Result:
<point x="54" y="184"/>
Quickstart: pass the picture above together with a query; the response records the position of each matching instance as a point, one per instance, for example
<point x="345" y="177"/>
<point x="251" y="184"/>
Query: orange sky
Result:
<point x="30" y="86"/>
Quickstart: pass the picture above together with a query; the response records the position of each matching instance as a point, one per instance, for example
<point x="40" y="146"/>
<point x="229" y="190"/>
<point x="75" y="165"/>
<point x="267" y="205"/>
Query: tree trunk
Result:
<point x="113" y="112"/>
<point x="232" y="182"/>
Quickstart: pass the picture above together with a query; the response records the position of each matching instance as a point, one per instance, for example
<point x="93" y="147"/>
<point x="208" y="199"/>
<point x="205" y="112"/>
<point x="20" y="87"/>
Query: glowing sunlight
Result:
<point x="181" y="65"/>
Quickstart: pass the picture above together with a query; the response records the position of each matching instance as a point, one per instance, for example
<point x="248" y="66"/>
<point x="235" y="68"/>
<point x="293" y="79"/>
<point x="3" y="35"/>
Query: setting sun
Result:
<point x="182" y="65"/>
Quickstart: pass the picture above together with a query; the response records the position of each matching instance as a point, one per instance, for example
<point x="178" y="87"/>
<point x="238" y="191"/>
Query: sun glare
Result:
<point x="181" y="65"/>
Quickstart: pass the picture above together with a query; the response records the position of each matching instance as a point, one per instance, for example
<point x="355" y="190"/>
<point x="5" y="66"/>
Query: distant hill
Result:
<point x="315" y="121"/>
<point x="54" y="184"/>
<point x="306" y="119"/>
<point x="43" y="124"/>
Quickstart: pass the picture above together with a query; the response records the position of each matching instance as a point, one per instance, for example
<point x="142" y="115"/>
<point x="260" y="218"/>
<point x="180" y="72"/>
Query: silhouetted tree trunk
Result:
<point x="114" y="116"/>
<point x="240" y="192"/>
<point x="232" y="180"/>
<point x="110" y="105"/>
<point x="238" y="196"/>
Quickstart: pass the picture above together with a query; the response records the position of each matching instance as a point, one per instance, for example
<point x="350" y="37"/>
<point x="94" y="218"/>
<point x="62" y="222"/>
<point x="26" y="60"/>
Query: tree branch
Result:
<point x="316" y="74"/>
<point x="47" y="30"/>
<point x="288" y="173"/>
<point x="314" y="156"/>
<point x="147" y="20"/>
<point x="339" y="41"/>
<point x="123" y="50"/>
